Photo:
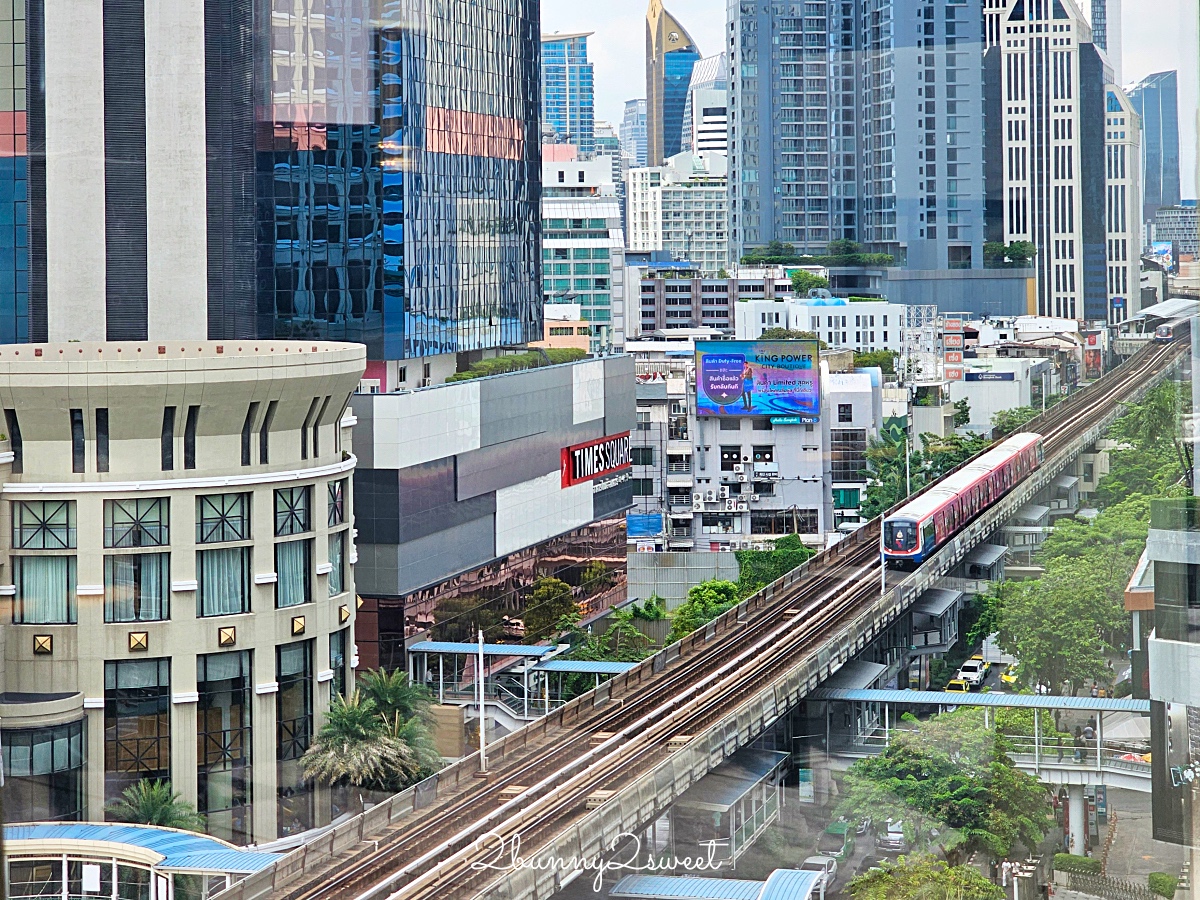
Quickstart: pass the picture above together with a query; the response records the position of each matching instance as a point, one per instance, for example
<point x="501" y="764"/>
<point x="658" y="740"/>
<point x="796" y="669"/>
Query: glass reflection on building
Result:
<point x="398" y="175"/>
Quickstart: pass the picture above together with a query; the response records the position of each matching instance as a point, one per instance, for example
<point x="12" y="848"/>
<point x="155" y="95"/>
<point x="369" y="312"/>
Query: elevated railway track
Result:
<point x="434" y="841"/>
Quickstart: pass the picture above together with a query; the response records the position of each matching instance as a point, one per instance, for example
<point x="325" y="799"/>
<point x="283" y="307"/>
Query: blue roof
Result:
<point x="181" y="851"/>
<point x="782" y="884"/>
<point x="471" y="649"/>
<point x="584" y="665"/>
<point x="988" y="698"/>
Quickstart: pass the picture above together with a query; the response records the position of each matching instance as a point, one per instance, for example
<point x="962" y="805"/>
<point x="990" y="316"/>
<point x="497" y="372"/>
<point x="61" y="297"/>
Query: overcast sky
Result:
<point x="1158" y="35"/>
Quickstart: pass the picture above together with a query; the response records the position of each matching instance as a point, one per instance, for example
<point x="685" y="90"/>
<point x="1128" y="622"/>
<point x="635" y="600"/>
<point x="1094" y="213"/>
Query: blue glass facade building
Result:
<point x="670" y="56"/>
<point x="568" y="98"/>
<point x="367" y="173"/>
<point x="1156" y="100"/>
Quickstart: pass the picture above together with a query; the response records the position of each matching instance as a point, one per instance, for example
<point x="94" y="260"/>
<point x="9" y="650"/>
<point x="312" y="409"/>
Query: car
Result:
<point x="826" y="865"/>
<point x="836" y="841"/>
<point x="1009" y="675"/>
<point x="958" y="686"/>
<point x="863" y="826"/>
<point x="987" y="666"/>
<point x="972" y="672"/>
<point x="891" y="839"/>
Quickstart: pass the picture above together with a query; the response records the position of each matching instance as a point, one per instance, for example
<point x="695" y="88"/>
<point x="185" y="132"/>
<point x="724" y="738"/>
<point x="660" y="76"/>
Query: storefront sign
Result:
<point x="595" y="459"/>
<point x="953" y="341"/>
<point x="991" y="376"/>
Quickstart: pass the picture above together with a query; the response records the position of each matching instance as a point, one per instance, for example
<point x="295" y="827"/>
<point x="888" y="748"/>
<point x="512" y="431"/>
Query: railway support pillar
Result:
<point x="1076" y="820"/>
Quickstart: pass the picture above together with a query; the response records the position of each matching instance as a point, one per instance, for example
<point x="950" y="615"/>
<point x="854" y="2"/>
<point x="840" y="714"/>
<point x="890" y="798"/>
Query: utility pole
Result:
<point x="482" y="711"/>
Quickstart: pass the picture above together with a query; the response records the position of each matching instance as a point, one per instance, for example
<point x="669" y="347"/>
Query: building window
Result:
<point x="845" y="412"/>
<point x="167" y="440"/>
<point x="337" y="662"/>
<point x="845" y="498"/>
<point x="642" y="456"/>
<point x="44" y="525"/>
<point x="788" y="521"/>
<point x="247" y="430"/>
<point x="137" y="587"/>
<point x="764" y="453"/>
<point x="102" y="440"/>
<point x="189" y="437"/>
<point x="715" y="523"/>
<point x="293" y="734"/>
<point x="337" y="559"/>
<point x="222" y="517"/>
<point x="264" y="434"/>
<point x="140" y="522"/>
<point x="77" y="451"/>
<point x="643" y="420"/>
<point x="224" y="576"/>
<point x="337" y="502"/>
<point x="45" y="590"/>
<point x="223" y="746"/>
<point x="14" y="437"/>
<point x="730" y="456"/>
<point x="44" y="773"/>
<point x="643" y="487"/>
<point x="848" y="454"/>
<point x="293" y="569"/>
<point x="137" y="724"/>
<point x="292" y="511"/>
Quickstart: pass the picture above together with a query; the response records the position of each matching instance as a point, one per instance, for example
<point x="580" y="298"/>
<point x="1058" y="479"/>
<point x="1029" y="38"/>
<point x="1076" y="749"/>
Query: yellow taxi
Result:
<point x="958" y="686"/>
<point x="1009" y="675"/>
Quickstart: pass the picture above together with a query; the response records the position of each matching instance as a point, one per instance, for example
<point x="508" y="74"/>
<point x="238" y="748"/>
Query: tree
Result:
<point x="923" y="878"/>
<point x="758" y="568"/>
<point x="803" y="282"/>
<point x="355" y="746"/>
<point x="993" y="251"/>
<point x="787" y="334"/>
<point x="395" y="694"/>
<point x="962" y="412"/>
<point x="1010" y="421"/>
<point x="721" y="273"/>
<point x="704" y="603"/>
<point x="1155" y="423"/>
<point x="152" y="802"/>
<point x="548" y="604"/>
<point x="953" y="776"/>
<point x="843" y="247"/>
<point x="884" y="359"/>
<point x="1021" y="252"/>
<point x="887" y="484"/>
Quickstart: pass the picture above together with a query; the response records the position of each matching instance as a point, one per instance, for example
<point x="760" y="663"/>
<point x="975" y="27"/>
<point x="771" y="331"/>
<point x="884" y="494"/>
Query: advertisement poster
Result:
<point x="758" y="378"/>
<point x="1163" y="253"/>
<point x="1093" y="362"/>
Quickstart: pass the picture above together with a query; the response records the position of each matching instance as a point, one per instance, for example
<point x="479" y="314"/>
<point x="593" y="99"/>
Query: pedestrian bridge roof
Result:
<point x="464" y="649"/>
<point x="985" y="698"/>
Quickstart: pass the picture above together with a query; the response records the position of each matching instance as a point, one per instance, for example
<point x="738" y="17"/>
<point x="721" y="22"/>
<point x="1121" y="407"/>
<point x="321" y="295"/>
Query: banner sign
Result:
<point x="954" y="356"/>
<point x="953" y="341"/>
<point x="758" y="378"/>
<point x="595" y="459"/>
<point x="991" y="376"/>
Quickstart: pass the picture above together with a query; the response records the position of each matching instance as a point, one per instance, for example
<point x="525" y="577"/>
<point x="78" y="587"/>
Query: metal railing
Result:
<point x="1109" y="888"/>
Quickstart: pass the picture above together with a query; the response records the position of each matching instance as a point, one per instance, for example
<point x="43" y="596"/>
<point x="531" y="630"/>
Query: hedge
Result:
<point x="501" y="364"/>
<point x="850" y="259"/>
<point x="1080" y="865"/>
<point x="1163" y="884"/>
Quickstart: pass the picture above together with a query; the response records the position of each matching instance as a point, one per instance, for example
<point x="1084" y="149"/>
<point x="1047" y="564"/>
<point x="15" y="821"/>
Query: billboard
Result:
<point x="758" y="378"/>
<point x="595" y="459"/>
<point x="1163" y="253"/>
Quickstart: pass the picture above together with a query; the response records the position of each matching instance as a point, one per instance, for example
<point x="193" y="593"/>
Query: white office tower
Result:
<point x="680" y="208"/>
<point x="706" y="111"/>
<point x="1122" y="203"/>
<point x="1045" y="83"/>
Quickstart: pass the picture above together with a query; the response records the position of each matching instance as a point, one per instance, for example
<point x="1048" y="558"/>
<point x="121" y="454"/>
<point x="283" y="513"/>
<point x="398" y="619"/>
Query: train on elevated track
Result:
<point x="916" y="530"/>
<point x="1177" y="329"/>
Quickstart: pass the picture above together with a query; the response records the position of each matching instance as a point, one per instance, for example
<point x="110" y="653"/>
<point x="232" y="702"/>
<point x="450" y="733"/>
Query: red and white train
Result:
<point x="912" y="533"/>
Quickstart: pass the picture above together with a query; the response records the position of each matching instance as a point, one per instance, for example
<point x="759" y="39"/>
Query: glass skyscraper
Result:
<point x="568" y="102"/>
<point x="670" y="55"/>
<point x="1156" y="99"/>
<point x="315" y="168"/>
<point x="633" y="135"/>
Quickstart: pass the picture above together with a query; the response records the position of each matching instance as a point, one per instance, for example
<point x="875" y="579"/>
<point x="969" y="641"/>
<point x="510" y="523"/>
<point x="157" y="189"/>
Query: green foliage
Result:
<point x="954" y="776"/>
<point x="516" y="362"/>
<point x="1018" y="254"/>
<point x="1010" y="421"/>
<point x="849" y="253"/>
<point x="704" y="603"/>
<point x="1080" y="865"/>
<point x="547" y="606"/>
<point x="1155" y="425"/>
<point x="394" y="694"/>
<point x="653" y="610"/>
<point x="622" y="641"/>
<point x="758" y="568"/>
<point x="152" y="802"/>
<point x="787" y="334"/>
<point x="843" y="247"/>
<point x="1163" y="884"/>
<point x="355" y="746"/>
<point x="462" y="618"/>
<point x="923" y="878"/>
<point x="887" y="483"/>
<point x="803" y="282"/>
<point x="962" y="412"/>
<point x="884" y="359"/>
<point x="595" y="577"/>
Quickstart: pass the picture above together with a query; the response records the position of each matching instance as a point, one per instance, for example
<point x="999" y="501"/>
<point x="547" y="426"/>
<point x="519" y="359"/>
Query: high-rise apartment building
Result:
<point x="706" y="111"/>
<point x="568" y="102"/>
<point x="680" y="208"/>
<point x="633" y="135"/>
<point x="1046" y="149"/>
<point x="1106" y="32"/>
<point x="325" y="170"/>
<point x="1156" y="100"/>
<point x="1122" y="204"/>
<point x="670" y="56"/>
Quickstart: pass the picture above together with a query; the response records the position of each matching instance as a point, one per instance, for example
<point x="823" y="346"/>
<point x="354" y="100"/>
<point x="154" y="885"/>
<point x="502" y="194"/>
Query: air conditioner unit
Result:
<point x="697" y="496"/>
<point x="731" y="505"/>
<point x="739" y="468"/>
<point x="724" y="491"/>
<point x="744" y="479"/>
<point x="710" y="496"/>
<point x="742" y="507"/>
<point x="754" y="498"/>
<point x="697" y="506"/>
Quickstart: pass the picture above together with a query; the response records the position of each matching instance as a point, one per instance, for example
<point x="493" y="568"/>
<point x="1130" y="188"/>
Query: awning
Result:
<point x="856" y="674"/>
<point x="454" y="647"/>
<point x="986" y="554"/>
<point x="1066" y="482"/>
<point x="935" y="601"/>
<point x="586" y="666"/>
<point x="679" y="481"/>
<point x="725" y="785"/>
<point x="782" y="884"/>
<point x="1032" y="514"/>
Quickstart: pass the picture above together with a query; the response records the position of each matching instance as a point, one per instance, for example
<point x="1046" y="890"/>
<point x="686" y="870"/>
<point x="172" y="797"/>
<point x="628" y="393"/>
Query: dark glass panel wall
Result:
<point x="44" y="772"/>
<point x="137" y="724"/>
<point x="223" y="744"/>
<point x="293" y="734"/>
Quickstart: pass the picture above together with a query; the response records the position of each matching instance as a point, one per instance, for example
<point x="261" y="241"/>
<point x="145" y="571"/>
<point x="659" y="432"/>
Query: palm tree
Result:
<point x="356" y="746"/>
<point x="414" y="734"/>
<point x="393" y="693"/>
<point x="154" y="803"/>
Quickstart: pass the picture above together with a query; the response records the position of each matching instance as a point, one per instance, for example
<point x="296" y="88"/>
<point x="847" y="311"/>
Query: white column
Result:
<point x="1077" y="814"/>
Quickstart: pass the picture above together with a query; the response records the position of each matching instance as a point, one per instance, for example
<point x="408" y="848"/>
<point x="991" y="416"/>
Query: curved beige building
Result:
<point x="177" y="574"/>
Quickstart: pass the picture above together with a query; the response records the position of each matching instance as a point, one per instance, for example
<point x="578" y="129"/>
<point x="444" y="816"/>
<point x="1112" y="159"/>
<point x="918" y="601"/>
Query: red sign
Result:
<point x="595" y="459"/>
<point x="954" y="373"/>
<point x="952" y="325"/>
<point x="954" y="356"/>
<point x="953" y="341"/>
